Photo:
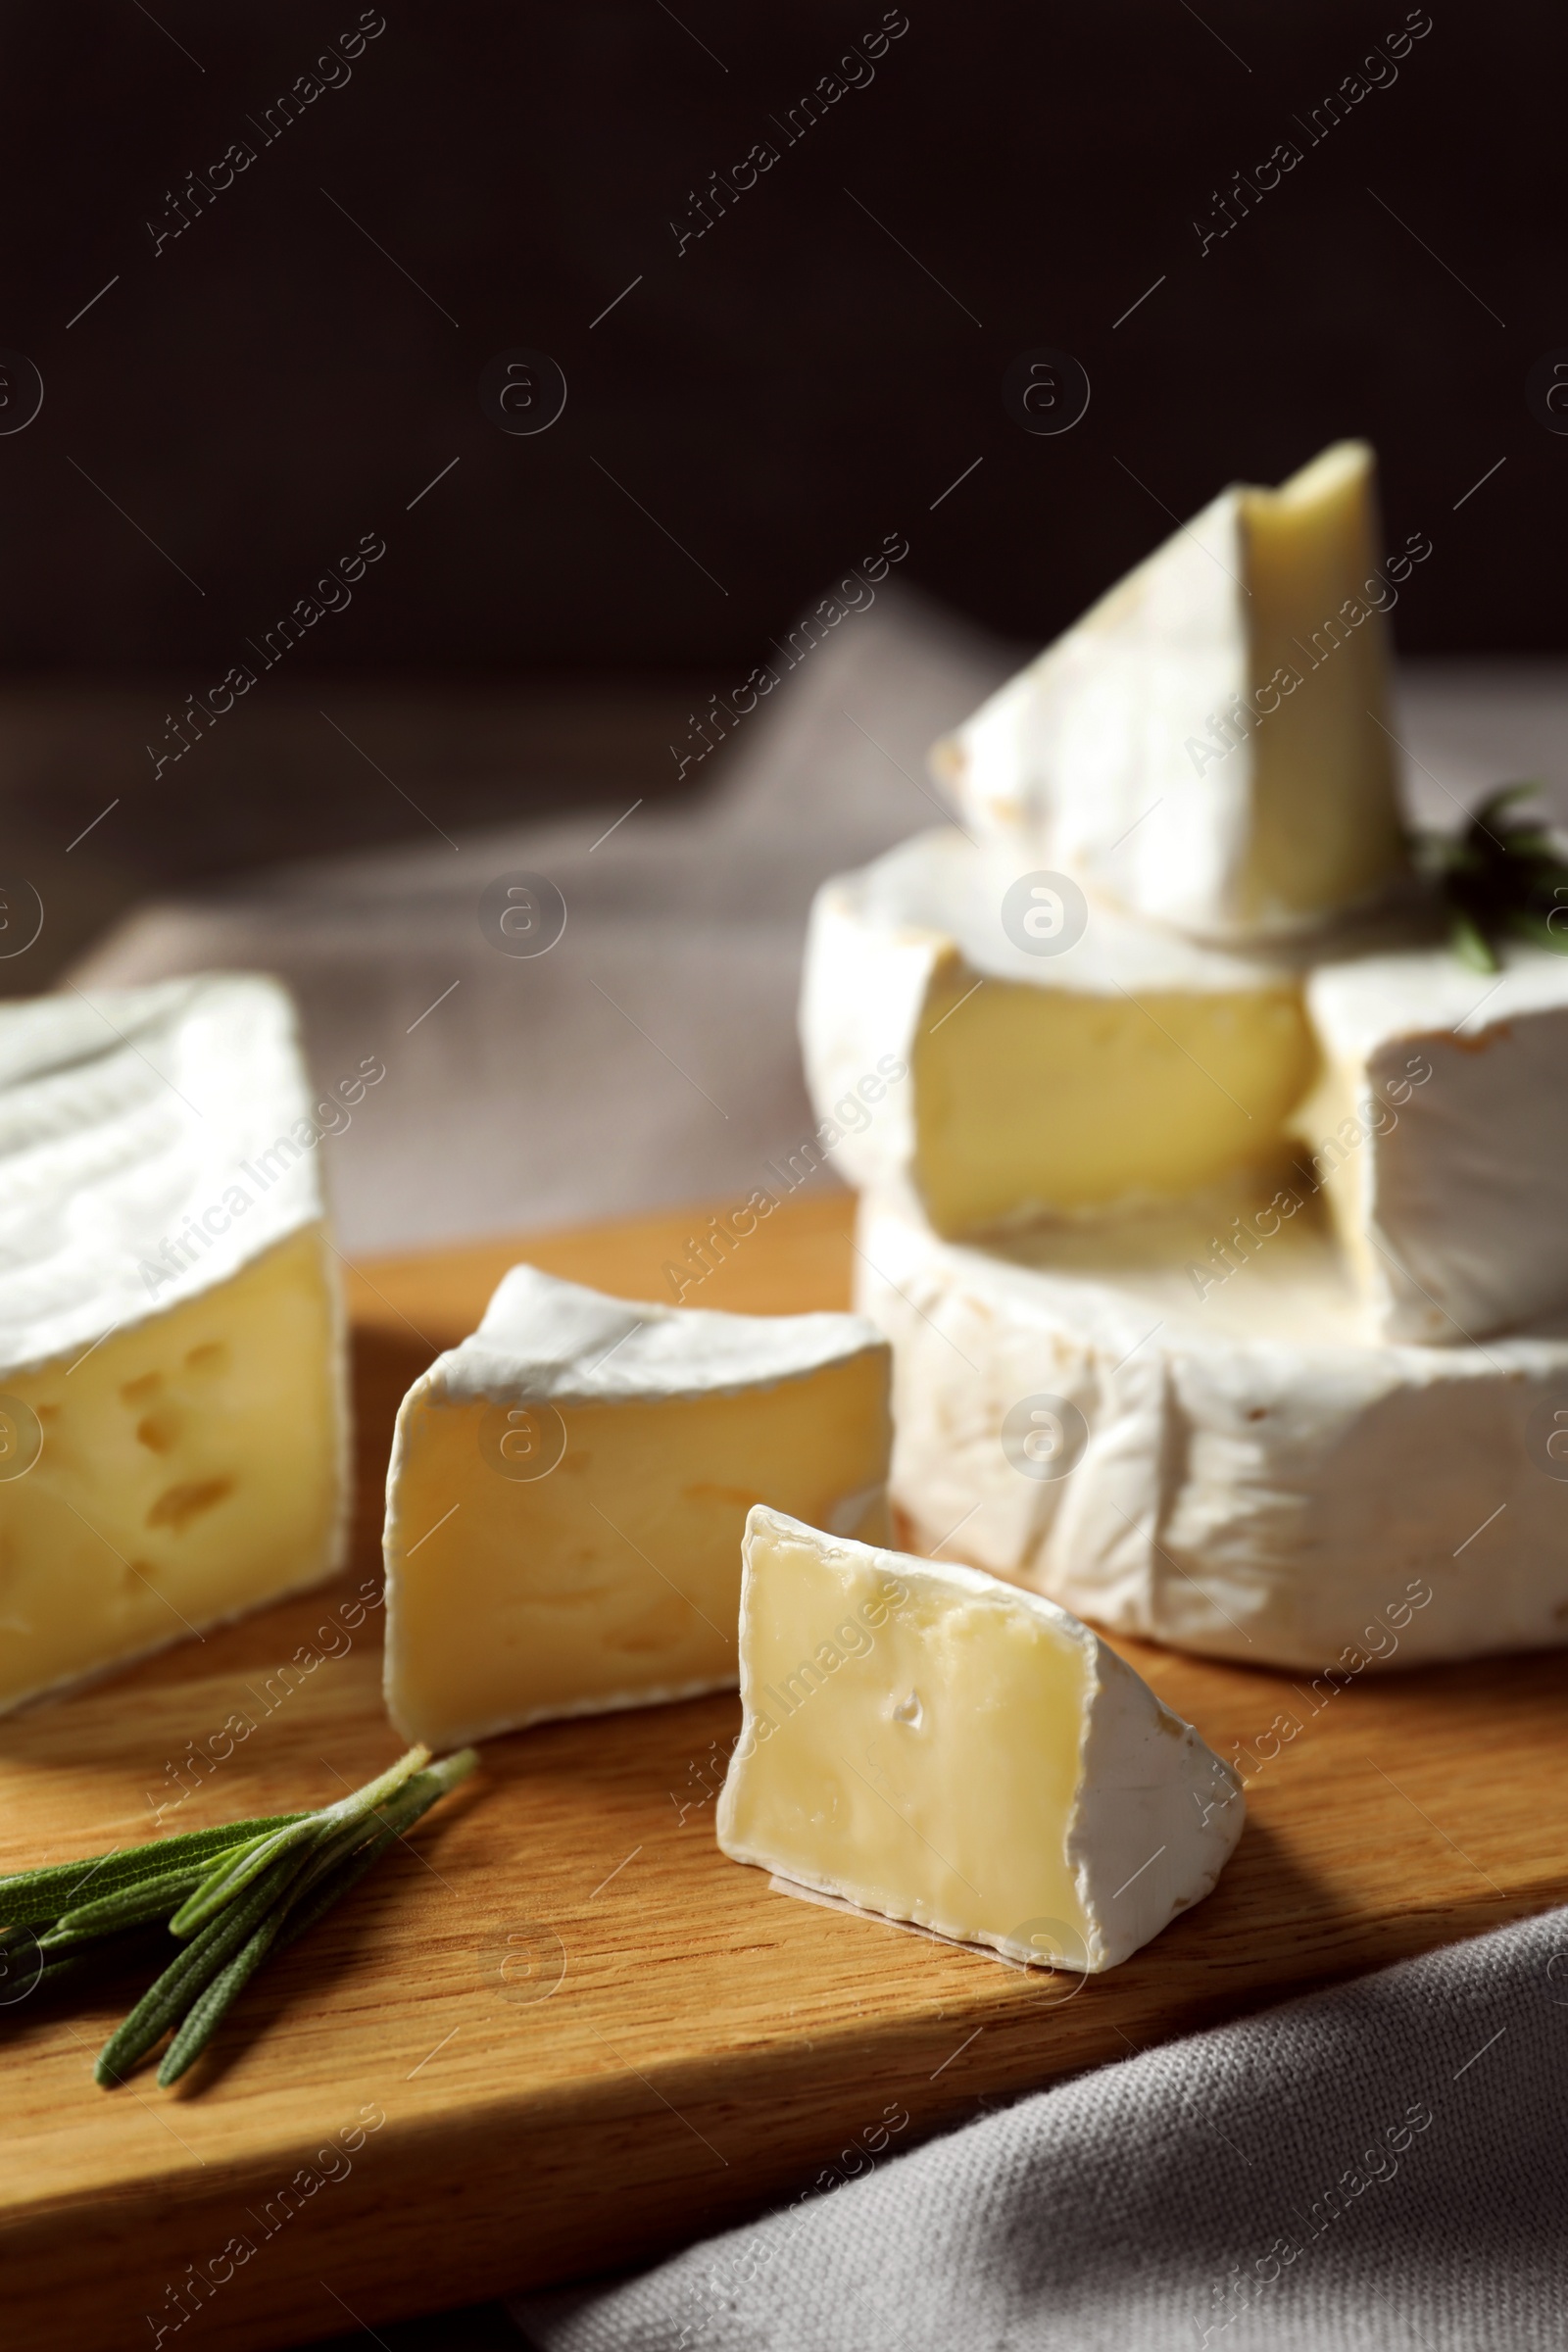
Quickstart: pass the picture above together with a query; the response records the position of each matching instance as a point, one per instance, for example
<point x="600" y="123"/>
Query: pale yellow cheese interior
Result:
<point x="1326" y="824"/>
<point x="1341" y="1168"/>
<point x="614" y="1580"/>
<point x="1055" y="1101"/>
<point x="919" y="1756"/>
<point x="190" y="1469"/>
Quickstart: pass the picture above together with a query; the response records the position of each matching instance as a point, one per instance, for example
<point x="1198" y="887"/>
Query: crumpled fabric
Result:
<point x="649" y="1056"/>
<point x="1384" y="2165"/>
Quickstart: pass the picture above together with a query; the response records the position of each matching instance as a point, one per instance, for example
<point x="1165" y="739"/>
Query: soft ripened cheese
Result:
<point x="1135" y="1065"/>
<point x="1226" y="1464"/>
<point x="927" y="1743"/>
<point x="1203" y="745"/>
<point x="172" y="1415"/>
<point x="569" y="1490"/>
<point x="1441" y="1136"/>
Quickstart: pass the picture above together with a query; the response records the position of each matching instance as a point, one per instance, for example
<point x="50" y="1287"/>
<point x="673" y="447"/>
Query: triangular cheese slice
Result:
<point x="1208" y="744"/>
<point x="928" y="1743"/>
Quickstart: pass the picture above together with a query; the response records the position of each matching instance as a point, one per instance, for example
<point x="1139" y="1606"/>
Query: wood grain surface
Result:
<point x="560" y="2032"/>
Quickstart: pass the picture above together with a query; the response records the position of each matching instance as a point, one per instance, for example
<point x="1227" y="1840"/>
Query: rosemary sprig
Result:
<point x="325" y="1880"/>
<point x="231" y="1895"/>
<point x="1499" y="876"/>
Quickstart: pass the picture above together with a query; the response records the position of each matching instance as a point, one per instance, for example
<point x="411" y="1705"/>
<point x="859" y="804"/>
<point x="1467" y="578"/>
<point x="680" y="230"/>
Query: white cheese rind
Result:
<point x="610" y="1580"/>
<point x="546" y="1341"/>
<point x="1143" y="749"/>
<point x="1259" y="1481"/>
<point x="1144" y="1818"/>
<point x="1443" y="1127"/>
<point x="151" y="1144"/>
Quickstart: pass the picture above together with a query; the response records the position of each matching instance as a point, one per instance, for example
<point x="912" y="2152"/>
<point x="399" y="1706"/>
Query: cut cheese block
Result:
<point x="568" y="1489"/>
<point x="1132" y="1066"/>
<point x="1439" y="1134"/>
<point x="927" y="1743"/>
<point x="1203" y="745"/>
<point x="173" y="1412"/>
<point x="1178" y="1429"/>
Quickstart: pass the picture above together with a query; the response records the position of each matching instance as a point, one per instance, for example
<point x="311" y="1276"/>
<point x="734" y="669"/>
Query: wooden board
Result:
<point x="589" y="2036"/>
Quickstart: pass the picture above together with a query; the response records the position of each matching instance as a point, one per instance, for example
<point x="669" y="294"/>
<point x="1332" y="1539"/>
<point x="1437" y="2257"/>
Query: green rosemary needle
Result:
<point x="32" y="1895"/>
<point x="147" y="1898"/>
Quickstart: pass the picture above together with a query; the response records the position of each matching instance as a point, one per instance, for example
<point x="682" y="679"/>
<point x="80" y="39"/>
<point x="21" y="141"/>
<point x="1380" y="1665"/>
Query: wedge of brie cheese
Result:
<point x="1205" y="745"/>
<point x="1133" y="1066"/>
<point x="1439" y="1134"/>
<point x="1179" y="1428"/>
<point x="568" y="1489"/>
<point x="172" y="1413"/>
<point x="927" y="1743"/>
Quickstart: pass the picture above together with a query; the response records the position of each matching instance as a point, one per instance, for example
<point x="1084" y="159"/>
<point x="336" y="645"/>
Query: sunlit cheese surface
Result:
<point x="928" y="1743"/>
<point x="569" y="1491"/>
<point x="1133" y="1066"/>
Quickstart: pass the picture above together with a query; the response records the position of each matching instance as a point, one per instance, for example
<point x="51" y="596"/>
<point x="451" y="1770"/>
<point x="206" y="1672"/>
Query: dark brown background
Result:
<point x="777" y="398"/>
<point x="792" y="387"/>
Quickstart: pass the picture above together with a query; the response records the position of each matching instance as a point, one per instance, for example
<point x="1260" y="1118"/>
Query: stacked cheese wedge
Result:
<point x="1220" y="1228"/>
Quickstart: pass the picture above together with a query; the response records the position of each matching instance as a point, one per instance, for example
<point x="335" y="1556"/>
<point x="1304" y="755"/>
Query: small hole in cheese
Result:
<point x="178" y="1507"/>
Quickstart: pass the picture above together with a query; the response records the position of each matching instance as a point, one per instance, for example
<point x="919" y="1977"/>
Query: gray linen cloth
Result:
<point x="650" y="1058"/>
<point x="1381" y="2166"/>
